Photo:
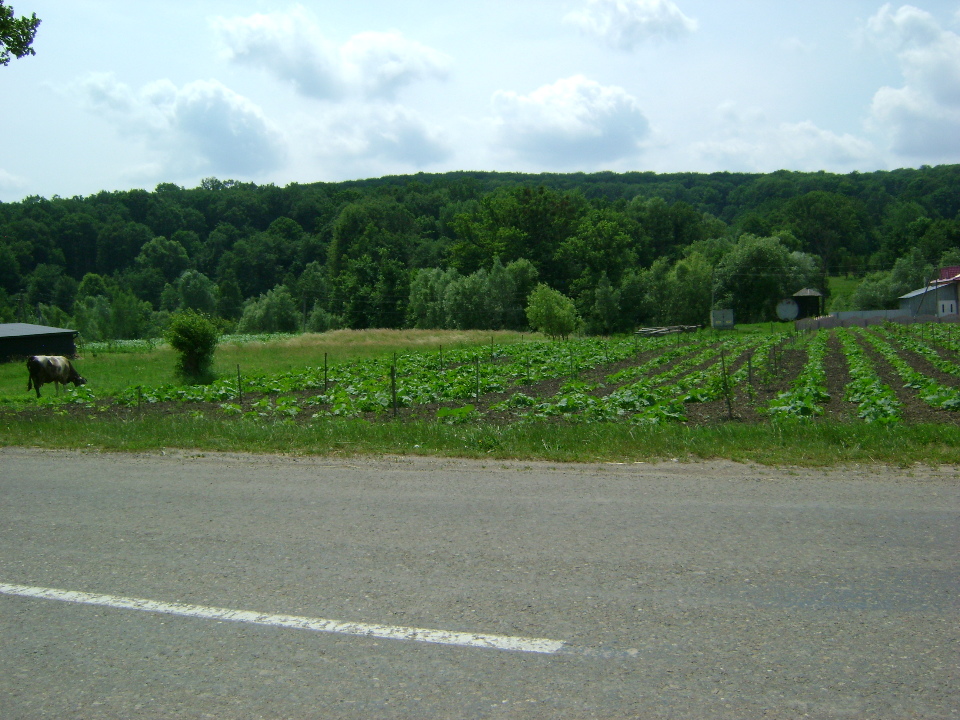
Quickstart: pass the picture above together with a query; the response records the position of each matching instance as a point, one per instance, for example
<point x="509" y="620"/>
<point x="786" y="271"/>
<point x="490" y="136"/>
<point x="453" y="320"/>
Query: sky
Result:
<point x="124" y="95"/>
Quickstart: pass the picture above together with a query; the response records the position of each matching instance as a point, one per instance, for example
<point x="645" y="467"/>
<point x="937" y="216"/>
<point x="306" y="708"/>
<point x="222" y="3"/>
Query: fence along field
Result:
<point x="888" y="375"/>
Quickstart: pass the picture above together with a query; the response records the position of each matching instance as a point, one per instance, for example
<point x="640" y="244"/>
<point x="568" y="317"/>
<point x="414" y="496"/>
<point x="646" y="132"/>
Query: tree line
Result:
<point x="468" y="249"/>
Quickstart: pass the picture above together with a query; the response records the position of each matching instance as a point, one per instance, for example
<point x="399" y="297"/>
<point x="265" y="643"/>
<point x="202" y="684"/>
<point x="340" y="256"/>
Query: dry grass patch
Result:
<point x="299" y="351"/>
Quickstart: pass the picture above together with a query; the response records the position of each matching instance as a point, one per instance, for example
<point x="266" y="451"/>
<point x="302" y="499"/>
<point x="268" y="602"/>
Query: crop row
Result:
<point x="929" y="390"/>
<point x="876" y="401"/>
<point x="913" y="342"/>
<point x="808" y="392"/>
<point x="656" y="396"/>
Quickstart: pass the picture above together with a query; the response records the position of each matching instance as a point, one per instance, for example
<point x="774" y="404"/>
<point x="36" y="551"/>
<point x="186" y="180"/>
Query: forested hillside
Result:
<point x="466" y="249"/>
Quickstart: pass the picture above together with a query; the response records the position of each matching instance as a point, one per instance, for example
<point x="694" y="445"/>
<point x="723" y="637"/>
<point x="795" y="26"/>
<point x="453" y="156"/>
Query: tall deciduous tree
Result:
<point x="605" y="312"/>
<point x="428" y="287"/>
<point x="197" y="292"/>
<point x="826" y="223"/>
<point x="468" y="302"/>
<point x="518" y="222"/>
<point x="756" y="274"/>
<point x="167" y="256"/>
<point x="274" y="311"/>
<point x="690" y="289"/>
<point x="16" y="34"/>
<point x="604" y="245"/>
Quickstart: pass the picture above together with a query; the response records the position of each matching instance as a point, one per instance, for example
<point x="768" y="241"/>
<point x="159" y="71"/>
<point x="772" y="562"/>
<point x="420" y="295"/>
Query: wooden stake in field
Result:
<point x="478" y="377"/>
<point x="239" y="386"/>
<point x="393" y="386"/>
<point x="726" y="385"/>
<point x="325" y="373"/>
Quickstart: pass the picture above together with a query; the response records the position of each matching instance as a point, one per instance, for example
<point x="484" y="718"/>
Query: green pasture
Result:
<point x="841" y="288"/>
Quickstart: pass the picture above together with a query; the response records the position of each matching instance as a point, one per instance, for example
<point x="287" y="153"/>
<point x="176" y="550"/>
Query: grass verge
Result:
<point x="802" y="444"/>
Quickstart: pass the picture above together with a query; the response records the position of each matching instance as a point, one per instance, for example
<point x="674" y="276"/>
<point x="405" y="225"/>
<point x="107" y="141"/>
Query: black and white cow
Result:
<point x="51" y="369"/>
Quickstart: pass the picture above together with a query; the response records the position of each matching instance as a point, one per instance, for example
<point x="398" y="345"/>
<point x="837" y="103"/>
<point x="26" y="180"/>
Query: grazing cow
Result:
<point x="51" y="369"/>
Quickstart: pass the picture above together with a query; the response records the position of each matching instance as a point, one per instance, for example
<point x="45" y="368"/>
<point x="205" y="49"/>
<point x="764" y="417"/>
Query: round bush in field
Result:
<point x="195" y="338"/>
<point x="551" y="312"/>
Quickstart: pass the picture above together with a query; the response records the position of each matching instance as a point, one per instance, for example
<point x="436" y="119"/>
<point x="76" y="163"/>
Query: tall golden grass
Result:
<point x="299" y="351"/>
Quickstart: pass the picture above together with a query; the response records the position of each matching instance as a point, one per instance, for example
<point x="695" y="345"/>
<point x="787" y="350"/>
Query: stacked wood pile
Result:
<point x="668" y="330"/>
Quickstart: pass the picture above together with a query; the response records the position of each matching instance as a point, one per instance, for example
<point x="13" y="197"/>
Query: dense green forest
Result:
<point x="466" y="249"/>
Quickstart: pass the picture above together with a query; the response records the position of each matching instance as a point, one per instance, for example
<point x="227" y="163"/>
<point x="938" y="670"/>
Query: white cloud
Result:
<point x="292" y="47"/>
<point x="905" y="27"/>
<point x="351" y="136"/>
<point x="574" y="123"/>
<point x="201" y="127"/>
<point x="921" y="118"/>
<point x="624" y="24"/>
<point x="288" y="45"/>
<point x="747" y="142"/>
<point x="382" y="63"/>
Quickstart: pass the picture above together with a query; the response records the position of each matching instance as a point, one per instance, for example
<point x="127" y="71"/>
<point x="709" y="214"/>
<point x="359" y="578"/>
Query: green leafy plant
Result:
<point x="809" y="391"/>
<point x="877" y="401"/>
<point x="457" y="415"/>
<point x="194" y="337"/>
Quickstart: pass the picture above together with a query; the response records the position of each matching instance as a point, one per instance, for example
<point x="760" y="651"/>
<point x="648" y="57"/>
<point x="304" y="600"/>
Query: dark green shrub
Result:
<point x="195" y="338"/>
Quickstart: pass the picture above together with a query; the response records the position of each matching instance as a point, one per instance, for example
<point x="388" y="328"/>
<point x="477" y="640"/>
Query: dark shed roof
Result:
<point x="25" y="329"/>
<point x="18" y="340"/>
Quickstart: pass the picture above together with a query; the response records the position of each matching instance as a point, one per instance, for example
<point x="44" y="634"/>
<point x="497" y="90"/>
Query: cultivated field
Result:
<point x="882" y="385"/>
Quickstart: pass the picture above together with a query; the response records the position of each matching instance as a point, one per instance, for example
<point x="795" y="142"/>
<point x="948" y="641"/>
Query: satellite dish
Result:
<point x="788" y="309"/>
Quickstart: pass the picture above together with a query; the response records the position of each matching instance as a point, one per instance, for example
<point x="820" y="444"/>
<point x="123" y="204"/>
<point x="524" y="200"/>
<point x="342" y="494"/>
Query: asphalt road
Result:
<point x="709" y="590"/>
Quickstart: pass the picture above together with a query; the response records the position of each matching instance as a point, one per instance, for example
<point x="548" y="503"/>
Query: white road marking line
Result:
<point x="390" y="632"/>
